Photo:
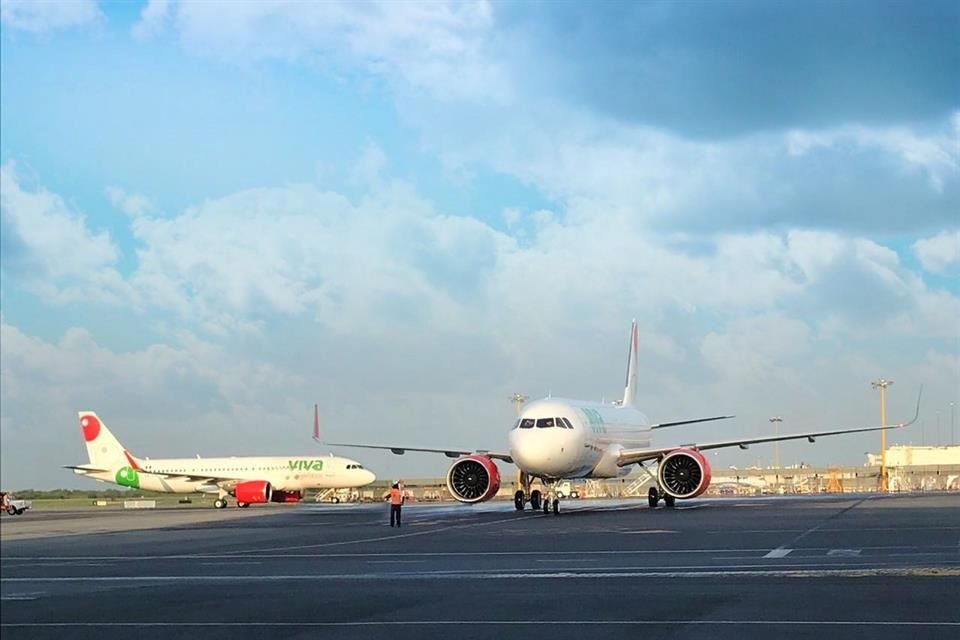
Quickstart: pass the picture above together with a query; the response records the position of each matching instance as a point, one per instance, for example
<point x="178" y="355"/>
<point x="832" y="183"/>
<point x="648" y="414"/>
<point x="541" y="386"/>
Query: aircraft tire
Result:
<point x="546" y="505"/>
<point x="669" y="500"/>
<point x="653" y="497"/>
<point x="220" y="503"/>
<point x="556" y="506"/>
<point x="243" y="505"/>
<point x="518" y="500"/>
<point x="535" y="500"/>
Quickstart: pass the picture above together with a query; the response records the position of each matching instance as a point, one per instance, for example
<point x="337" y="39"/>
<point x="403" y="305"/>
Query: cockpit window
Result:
<point x="566" y="423"/>
<point x="354" y="466"/>
<point x="545" y="423"/>
<point x="527" y="423"/>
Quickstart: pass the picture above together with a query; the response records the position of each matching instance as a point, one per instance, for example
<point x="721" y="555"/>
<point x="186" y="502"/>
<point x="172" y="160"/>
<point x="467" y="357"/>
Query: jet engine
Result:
<point x="253" y="491"/>
<point x="473" y="479"/>
<point x="286" y="496"/>
<point x="684" y="473"/>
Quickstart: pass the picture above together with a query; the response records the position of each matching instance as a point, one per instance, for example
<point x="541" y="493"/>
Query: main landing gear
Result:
<point x="654" y="495"/>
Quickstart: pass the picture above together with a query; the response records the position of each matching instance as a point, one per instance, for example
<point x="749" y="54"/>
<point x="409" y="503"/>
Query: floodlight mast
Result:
<point x="882" y="384"/>
<point x="776" y="420"/>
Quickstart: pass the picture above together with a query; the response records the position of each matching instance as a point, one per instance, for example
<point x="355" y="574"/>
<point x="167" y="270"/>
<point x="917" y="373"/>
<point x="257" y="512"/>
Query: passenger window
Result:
<point x="545" y="423"/>
<point x="566" y="423"/>
<point x="527" y="423"/>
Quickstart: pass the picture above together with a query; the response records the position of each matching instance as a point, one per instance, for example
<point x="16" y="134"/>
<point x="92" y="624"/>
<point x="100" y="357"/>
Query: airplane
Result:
<point x="249" y="479"/>
<point x="556" y="439"/>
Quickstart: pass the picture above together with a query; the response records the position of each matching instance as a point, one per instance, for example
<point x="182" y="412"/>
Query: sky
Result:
<point x="216" y="214"/>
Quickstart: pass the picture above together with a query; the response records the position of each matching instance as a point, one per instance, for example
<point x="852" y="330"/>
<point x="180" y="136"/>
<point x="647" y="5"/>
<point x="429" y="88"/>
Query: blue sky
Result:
<point x="215" y="214"/>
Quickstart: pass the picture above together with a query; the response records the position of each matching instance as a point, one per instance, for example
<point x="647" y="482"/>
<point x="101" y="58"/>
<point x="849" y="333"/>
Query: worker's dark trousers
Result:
<point x="395" y="514"/>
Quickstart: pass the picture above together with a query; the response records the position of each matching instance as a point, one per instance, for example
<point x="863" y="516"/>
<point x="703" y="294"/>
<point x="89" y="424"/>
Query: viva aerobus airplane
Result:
<point x="557" y="439"/>
<point x="248" y="479"/>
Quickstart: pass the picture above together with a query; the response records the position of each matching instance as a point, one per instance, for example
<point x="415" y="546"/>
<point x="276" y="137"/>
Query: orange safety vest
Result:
<point x="396" y="497"/>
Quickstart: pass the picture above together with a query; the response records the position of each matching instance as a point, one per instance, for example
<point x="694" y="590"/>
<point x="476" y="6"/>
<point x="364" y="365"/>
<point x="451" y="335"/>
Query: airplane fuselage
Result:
<point x="291" y="473"/>
<point x="582" y="440"/>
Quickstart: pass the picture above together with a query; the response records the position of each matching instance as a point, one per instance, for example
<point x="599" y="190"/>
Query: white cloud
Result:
<point x="153" y="19"/>
<point x="937" y="155"/>
<point x="438" y="46"/>
<point x="939" y="253"/>
<point x="48" y="249"/>
<point x="39" y="16"/>
<point x="132" y="204"/>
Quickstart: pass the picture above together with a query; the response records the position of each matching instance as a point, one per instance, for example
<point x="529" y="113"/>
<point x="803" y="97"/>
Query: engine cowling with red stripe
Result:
<point x="473" y="479"/>
<point x="253" y="491"/>
<point x="684" y="473"/>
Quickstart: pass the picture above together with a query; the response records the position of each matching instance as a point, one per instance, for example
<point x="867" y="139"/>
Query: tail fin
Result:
<point x="103" y="449"/>
<point x="630" y="386"/>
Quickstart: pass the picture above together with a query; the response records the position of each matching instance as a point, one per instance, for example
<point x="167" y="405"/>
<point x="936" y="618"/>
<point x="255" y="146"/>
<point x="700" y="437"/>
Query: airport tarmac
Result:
<point x="806" y="567"/>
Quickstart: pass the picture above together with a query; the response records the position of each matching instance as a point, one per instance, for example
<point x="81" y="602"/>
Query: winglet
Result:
<point x="916" y="413"/>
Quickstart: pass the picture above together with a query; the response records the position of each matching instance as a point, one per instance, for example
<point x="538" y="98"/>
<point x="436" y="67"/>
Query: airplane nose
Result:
<point x="547" y="452"/>
<point x="369" y="476"/>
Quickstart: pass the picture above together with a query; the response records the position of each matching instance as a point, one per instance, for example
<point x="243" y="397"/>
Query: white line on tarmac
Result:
<point x="604" y="573"/>
<point x="384" y="538"/>
<point x="779" y="552"/>
<point x="33" y="595"/>
<point x="427" y="623"/>
<point x="12" y="561"/>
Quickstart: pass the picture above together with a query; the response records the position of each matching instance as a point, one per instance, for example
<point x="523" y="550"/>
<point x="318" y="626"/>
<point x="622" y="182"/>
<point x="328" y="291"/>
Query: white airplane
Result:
<point x="557" y="439"/>
<point x="248" y="479"/>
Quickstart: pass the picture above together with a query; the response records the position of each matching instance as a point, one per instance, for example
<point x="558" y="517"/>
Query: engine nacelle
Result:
<point x="473" y="479"/>
<point x="684" y="473"/>
<point x="286" y="496"/>
<point x="253" y="491"/>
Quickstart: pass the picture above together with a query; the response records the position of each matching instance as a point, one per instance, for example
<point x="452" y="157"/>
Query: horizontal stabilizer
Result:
<point x="86" y="468"/>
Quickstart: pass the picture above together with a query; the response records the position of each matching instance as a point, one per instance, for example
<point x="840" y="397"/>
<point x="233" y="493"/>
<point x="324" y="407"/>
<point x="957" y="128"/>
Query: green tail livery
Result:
<point x="127" y="477"/>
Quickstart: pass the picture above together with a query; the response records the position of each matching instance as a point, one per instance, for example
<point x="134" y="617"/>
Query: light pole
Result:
<point x="518" y="399"/>
<point x="953" y="437"/>
<point x="882" y="384"/>
<point x="776" y="420"/>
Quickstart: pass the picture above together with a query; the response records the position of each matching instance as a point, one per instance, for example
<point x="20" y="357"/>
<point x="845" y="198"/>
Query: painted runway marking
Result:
<point x="844" y="553"/>
<point x="384" y="538"/>
<point x="395" y="561"/>
<point x="426" y="554"/>
<point x="779" y="552"/>
<point x="599" y="573"/>
<point x="228" y="563"/>
<point x="23" y="561"/>
<point x="422" y="623"/>
<point x="22" y="597"/>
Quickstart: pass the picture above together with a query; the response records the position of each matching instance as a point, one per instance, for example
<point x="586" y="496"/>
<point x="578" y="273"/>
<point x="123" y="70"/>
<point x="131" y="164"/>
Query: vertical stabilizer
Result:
<point x="103" y="449"/>
<point x="630" y="386"/>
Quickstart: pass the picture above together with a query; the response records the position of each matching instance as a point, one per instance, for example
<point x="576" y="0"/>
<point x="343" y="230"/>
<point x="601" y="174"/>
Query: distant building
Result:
<point x="912" y="456"/>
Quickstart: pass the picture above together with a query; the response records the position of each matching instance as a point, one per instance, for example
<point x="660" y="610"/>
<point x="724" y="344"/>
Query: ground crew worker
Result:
<point x="396" y="501"/>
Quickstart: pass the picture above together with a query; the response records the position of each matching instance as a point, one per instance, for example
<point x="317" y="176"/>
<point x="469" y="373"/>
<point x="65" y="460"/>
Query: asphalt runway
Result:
<point x="814" y="567"/>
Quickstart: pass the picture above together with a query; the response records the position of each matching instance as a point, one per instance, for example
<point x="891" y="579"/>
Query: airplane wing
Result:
<point x="633" y="456"/>
<point x="450" y="453"/>
<point x="677" y="423"/>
